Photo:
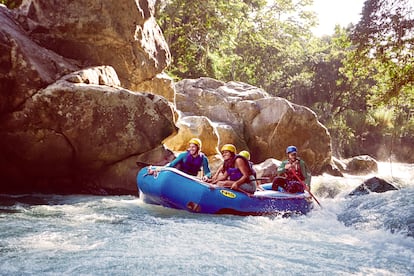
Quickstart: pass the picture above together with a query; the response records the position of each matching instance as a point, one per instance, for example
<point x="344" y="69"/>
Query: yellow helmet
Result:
<point x="228" y="147"/>
<point x="245" y="154"/>
<point x="195" y="141"/>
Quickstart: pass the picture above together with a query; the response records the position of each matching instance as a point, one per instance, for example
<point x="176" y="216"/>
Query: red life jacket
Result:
<point x="297" y="170"/>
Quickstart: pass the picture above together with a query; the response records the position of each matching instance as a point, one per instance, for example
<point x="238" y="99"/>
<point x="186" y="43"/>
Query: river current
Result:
<point x="120" y="235"/>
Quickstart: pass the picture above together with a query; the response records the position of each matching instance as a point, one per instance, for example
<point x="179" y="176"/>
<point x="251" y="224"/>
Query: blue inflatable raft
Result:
<point x="172" y="188"/>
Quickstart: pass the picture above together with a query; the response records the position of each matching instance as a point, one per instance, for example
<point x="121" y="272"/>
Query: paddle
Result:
<point x="305" y="187"/>
<point x="263" y="178"/>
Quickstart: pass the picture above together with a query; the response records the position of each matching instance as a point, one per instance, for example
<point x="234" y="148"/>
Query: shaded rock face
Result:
<point x="70" y="133"/>
<point x="121" y="33"/>
<point x="374" y="185"/>
<point x="262" y="124"/>
<point x="25" y="66"/>
<point x="67" y="126"/>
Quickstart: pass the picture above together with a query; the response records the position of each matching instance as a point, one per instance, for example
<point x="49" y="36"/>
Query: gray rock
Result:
<point x="373" y="185"/>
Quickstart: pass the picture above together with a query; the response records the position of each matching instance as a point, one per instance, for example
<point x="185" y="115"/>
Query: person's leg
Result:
<point x="294" y="186"/>
<point x="248" y="187"/>
<point x="278" y="181"/>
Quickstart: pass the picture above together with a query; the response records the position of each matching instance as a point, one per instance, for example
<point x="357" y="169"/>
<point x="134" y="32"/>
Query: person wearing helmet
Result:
<point x="246" y="154"/>
<point x="235" y="172"/>
<point x="292" y="172"/>
<point x="192" y="160"/>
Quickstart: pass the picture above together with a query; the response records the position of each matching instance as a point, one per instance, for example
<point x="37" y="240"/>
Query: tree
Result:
<point x="338" y="99"/>
<point x="274" y="50"/>
<point x="254" y="41"/>
<point x="196" y="30"/>
<point x="384" y="40"/>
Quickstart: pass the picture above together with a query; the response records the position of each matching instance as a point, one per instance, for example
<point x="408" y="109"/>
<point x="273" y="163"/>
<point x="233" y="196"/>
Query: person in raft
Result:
<point x="235" y="172"/>
<point x="246" y="154"/>
<point x="293" y="174"/>
<point x="192" y="160"/>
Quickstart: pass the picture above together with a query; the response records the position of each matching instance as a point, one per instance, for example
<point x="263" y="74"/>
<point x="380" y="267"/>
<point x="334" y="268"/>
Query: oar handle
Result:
<point x="305" y="187"/>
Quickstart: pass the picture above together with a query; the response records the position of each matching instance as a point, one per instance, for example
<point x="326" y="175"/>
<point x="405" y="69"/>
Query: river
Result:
<point x="120" y="235"/>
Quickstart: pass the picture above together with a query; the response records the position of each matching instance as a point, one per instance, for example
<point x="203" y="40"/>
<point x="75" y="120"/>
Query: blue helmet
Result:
<point x="291" y="149"/>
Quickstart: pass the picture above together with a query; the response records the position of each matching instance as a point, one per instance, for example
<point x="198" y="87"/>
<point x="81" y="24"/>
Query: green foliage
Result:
<point x="359" y="81"/>
<point x="384" y="47"/>
<point x="381" y="117"/>
<point x="198" y="32"/>
<point x="383" y="56"/>
<point x="273" y="49"/>
<point x="11" y="4"/>
<point x="258" y="42"/>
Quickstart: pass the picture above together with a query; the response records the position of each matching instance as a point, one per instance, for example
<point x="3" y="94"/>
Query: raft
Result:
<point x="172" y="188"/>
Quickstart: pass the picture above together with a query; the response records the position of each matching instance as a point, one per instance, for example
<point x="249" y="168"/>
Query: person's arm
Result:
<point x="306" y="173"/>
<point x="244" y="169"/>
<point x="281" y="169"/>
<point x="219" y="175"/>
<point x="219" y="170"/>
<point x="206" y="167"/>
<point x="177" y="160"/>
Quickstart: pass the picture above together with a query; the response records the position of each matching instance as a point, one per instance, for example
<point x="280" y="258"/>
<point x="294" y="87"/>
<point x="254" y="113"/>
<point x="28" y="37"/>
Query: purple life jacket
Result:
<point x="192" y="165"/>
<point x="233" y="173"/>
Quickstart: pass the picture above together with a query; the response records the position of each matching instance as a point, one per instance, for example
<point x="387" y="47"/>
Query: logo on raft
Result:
<point x="227" y="193"/>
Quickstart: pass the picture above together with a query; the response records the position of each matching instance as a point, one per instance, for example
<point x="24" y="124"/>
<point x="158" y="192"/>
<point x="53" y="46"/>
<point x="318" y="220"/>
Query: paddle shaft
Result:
<point x="305" y="187"/>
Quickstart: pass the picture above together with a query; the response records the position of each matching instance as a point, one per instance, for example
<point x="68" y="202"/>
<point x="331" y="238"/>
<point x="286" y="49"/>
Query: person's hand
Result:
<point x="206" y="178"/>
<point x="288" y="166"/>
<point x="259" y="188"/>
<point x="234" y="186"/>
<point x="151" y="171"/>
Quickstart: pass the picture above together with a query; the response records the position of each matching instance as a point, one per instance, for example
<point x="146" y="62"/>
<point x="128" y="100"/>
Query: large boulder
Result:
<point x="362" y="164"/>
<point x="267" y="170"/>
<point x="75" y="130"/>
<point x="120" y="33"/>
<point x="373" y="185"/>
<point x="25" y="67"/>
<point x="256" y="121"/>
<point x="68" y="129"/>
<point x="194" y="126"/>
<point x="161" y="84"/>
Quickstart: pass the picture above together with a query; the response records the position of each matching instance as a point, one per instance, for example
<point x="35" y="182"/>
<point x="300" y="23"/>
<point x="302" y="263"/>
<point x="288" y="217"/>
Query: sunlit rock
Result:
<point x="194" y="126"/>
<point x="266" y="170"/>
<point x="261" y="124"/>
<point x="227" y="135"/>
<point x="161" y="85"/>
<point x="362" y="164"/>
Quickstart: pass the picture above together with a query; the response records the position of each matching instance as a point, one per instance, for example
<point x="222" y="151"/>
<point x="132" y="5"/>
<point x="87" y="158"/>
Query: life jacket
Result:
<point x="297" y="170"/>
<point x="233" y="173"/>
<point x="251" y="168"/>
<point x="192" y="165"/>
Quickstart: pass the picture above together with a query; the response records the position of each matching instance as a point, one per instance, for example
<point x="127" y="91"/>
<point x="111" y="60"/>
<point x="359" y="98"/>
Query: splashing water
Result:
<point x="93" y="235"/>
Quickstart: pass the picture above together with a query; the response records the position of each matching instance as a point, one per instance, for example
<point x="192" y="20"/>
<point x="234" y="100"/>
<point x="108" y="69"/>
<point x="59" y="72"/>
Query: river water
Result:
<point x="120" y="235"/>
